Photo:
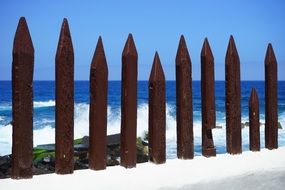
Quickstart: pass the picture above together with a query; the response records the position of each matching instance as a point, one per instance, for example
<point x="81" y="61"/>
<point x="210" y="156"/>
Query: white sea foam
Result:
<point x="1" y="118"/>
<point x="281" y="118"/>
<point x="5" y="139"/>
<point x="46" y="134"/>
<point x="49" y="103"/>
<point x="43" y="122"/>
<point x="37" y="104"/>
<point x="81" y="122"/>
<point x="41" y="136"/>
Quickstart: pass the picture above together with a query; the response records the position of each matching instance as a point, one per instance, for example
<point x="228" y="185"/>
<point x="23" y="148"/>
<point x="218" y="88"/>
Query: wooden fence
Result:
<point x="22" y="104"/>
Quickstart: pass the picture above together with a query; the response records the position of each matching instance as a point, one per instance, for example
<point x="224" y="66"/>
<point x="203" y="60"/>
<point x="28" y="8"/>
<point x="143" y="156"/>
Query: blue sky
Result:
<point x="155" y="25"/>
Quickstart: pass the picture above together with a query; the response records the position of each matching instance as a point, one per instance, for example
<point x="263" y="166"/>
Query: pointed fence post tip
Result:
<point x="270" y="55"/>
<point x="157" y="73"/>
<point x="206" y="50"/>
<point x="254" y="124"/>
<point x="184" y="107"/>
<point x="271" y="99"/>
<point x="231" y="51"/>
<point x="22" y="40"/>
<point x="22" y="102"/>
<point x="157" y="115"/>
<point x="98" y="109"/>
<point x="64" y="110"/>
<point x="233" y="96"/>
<point x="65" y="25"/>
<point x="130" y="47"/>
<point x="208" y="100"/>
<point x="182" y="56"/>
<point x="129" y="104"/>
<point x="99" y="53"/>
<point x="182" y="41"/>
<point x="100" y="41"/>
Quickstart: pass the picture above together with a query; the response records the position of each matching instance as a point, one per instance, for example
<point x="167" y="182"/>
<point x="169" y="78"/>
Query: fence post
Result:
<point x="157" y="117"/>
<point x="98" y="109"/>
<point x="64" y="118"/>
<point x="184" y="107"/>
<point x="254" y="125"/>
<point x="22" y="105"/>
<point x="233" y="110"/>
<point x="271" y="102"/>
<point x="208" y="100"/>
<point x="129" y="104"/>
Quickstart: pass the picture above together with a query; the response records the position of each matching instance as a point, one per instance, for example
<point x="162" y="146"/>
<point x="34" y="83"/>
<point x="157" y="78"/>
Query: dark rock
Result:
<point x="218" y="127"/>
<point x="245" y="124"/>
<point x="113" y="139"/>
<point x="42" y="169"/>
<point x="145" y="136"/>
<point x="5" y="159"/>
<point x="141" y="158"/>
<point x="81" y="159"/>
<point x="85" y="141"/>
<point x="44" y="162"/>
<point x="78" y="165"/>
<point x="144" y="143"/>
<point x="81" y="155"/>
<point x="112" y="161"/>
<point x="80" y="147"/>
<point x="5" y="166"/>
<point x="48" y="160"/>
<point x="48" y="147"/>
<point x="9" y="123"/>
<point x="279" y="125"/>
<point x="2" y="176"/>
<point x="44" y="165"/>
<point x="113" y="150"/>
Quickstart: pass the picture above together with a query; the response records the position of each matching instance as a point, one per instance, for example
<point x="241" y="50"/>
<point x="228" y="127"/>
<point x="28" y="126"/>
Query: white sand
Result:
<point x="250" y="170"/>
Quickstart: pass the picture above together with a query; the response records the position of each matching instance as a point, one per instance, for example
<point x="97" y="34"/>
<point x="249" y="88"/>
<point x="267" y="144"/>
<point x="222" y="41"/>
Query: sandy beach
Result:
<point x="250" y="170"/>
<point x="254" y="180"/>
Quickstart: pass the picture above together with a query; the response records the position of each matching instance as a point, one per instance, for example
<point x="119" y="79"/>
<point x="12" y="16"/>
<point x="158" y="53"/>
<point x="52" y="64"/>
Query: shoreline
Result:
<point x="174" y="174"/>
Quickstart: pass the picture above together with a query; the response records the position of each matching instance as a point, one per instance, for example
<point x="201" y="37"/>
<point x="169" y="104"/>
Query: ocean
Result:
<point x="44" y="112"/>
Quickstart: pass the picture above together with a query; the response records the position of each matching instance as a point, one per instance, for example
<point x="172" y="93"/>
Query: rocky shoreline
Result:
<point x="44" y="160"/>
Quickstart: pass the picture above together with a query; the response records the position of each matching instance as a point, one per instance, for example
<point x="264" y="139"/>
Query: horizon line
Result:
<point x="144" y="80"/>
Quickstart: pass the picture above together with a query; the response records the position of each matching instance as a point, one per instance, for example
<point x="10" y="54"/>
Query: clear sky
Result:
<point x="156" y="26"/>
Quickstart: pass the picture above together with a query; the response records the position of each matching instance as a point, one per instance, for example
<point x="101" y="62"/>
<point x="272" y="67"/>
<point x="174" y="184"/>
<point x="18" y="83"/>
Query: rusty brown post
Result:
<point x="22" y="104"/>
<point x="208" y="100"/>
<point x="233" y="110"/>
<point x="184" y="107"/>
<point x="64" y="73"/>
<point x="157" y="117"/>
<point x="254" y="125"/>
<point x="129" y="104"/>
<point x="98" y="109"/>
<point x="271" y="104"/>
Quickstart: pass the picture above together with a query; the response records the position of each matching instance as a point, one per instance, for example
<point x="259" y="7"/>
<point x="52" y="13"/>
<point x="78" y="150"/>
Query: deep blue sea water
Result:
<point x="44" y="96"/>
